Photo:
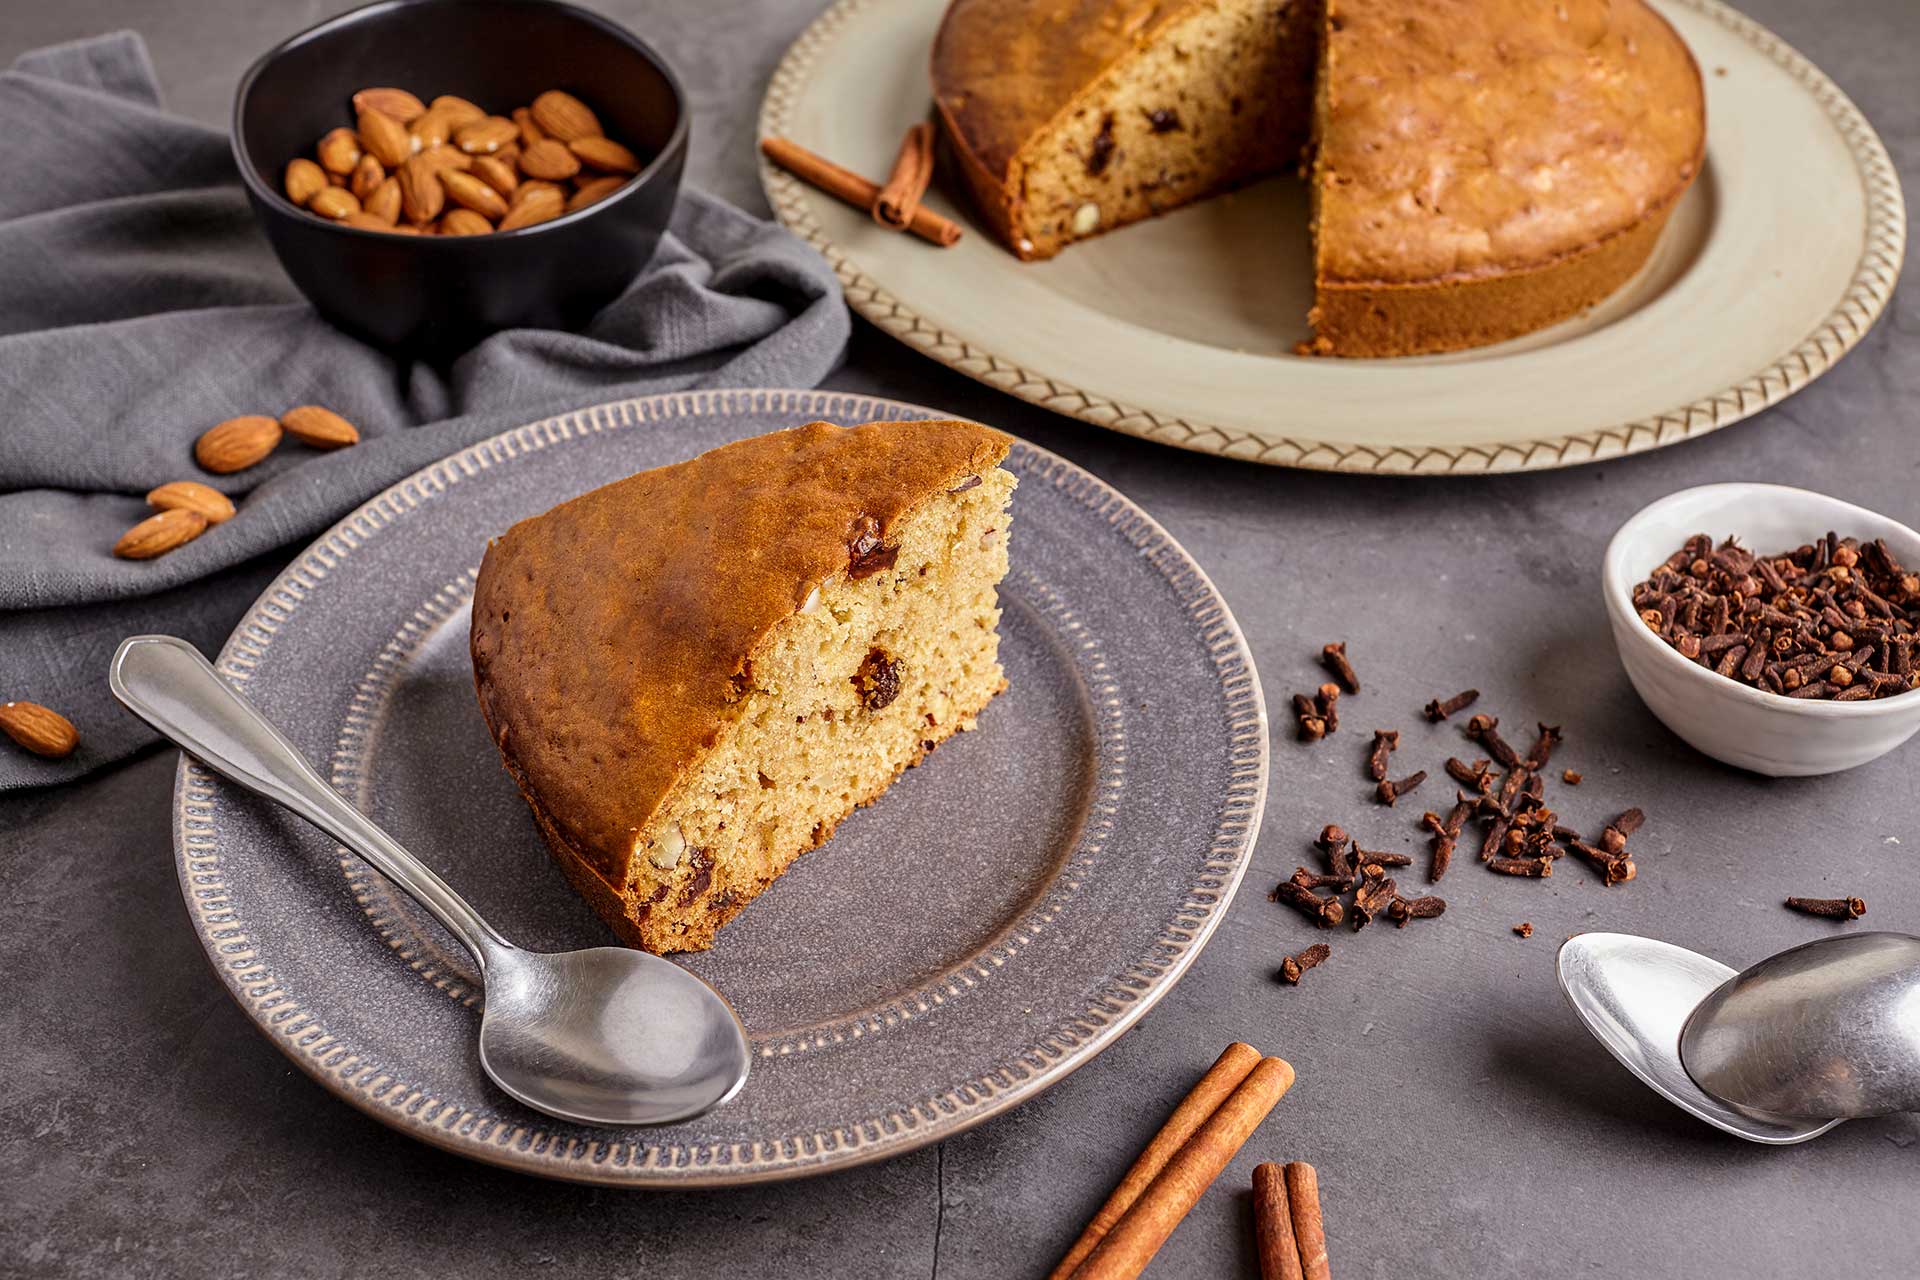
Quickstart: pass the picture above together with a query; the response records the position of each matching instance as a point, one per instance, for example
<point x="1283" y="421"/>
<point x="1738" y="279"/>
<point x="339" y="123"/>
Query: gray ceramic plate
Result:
<point x="995" y="920"/>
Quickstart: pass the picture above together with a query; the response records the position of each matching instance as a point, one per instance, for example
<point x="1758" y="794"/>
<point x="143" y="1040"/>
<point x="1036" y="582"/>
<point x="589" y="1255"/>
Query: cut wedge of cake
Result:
<point x="694" y="674"/>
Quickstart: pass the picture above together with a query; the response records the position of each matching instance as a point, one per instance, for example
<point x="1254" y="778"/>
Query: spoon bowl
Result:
<point x="602" y="1036"/>
<point x="1830" y="1028"/>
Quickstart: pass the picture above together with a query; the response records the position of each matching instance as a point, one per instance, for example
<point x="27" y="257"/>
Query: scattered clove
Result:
<point x="1485" y="730"/>
<point x="1476" y="775"/>
<point x="1401" y="910"/>
<point x="1293" y="966"/>
<point x="1614" y="838"/>
<point x="1334" y="656"/>
<point x="1375" y="858"/>
<point x="1390" y="791"/>
<point x="1385" y="741"/>
<point x="1570" y="777"/>
<point x="1830" y="908"/>
<point x="1371" y="899"/>
<point x="1313" y="726"/>
<point x="1439" y="709"/>
<point x="1524" y="928"/>
<point x="1521" y="866"/>
<point x="1542" y="749"/>
<point x="1309" y="880"/>
<point x="1613" y="868"/>
<point x="1328" y="704"/>
<point x="1325" y="912"/>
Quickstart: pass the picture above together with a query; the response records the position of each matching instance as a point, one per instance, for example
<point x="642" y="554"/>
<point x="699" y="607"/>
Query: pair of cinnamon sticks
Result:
<point x="1287" y="1231"/>
<point x="894" y="204"/>
<point x="1198" y="1140"/>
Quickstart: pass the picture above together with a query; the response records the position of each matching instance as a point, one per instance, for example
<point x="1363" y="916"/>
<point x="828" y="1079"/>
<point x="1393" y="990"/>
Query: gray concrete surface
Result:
<point x="1462" y="1122"/>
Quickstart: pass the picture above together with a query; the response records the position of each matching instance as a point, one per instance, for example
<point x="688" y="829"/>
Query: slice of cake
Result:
<point x="695" y="673"/>
<point x="1073" y="117"/>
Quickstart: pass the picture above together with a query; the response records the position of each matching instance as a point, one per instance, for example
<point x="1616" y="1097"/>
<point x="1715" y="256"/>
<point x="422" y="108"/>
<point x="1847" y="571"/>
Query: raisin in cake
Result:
<point x="695" y="673"/>
<point x="1479" y="168"/>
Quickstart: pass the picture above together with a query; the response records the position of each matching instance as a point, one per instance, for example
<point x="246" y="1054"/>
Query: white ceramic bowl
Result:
<point x="1752" y="728"/>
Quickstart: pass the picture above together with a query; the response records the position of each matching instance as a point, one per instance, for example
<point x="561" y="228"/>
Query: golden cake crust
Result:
<point x="606" y="650"/>
<point x="1004" y="69"/>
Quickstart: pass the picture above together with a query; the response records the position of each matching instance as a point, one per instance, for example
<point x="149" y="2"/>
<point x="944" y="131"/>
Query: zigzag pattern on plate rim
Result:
<point x="1865" y="298"/>
<point x="299" y="1034"/>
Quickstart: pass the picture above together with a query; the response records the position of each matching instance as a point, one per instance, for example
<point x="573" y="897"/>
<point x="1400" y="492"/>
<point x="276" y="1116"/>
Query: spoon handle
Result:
<point x="166" y="682"/>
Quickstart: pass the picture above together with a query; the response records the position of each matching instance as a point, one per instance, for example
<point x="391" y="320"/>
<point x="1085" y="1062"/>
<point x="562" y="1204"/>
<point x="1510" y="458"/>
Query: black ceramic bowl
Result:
<point x="434" y="295"/>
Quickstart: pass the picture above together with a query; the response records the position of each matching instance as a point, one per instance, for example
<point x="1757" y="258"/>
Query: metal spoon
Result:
<point x="604" y="1036"/>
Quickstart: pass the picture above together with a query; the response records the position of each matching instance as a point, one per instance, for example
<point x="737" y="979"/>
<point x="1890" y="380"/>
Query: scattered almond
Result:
<point x="597" y="189"/>
<point x="530" y="132"/>
<point x="191" y="495"/>
<point x="398" y="103"/>
<point x="38" y="729"/>
<point x="367" y="175"/>
<point x="160" y="533"/>
<point x="497" y="174"/>
<point x="485" y="136"/>
<point x="549" y="159"/>
<point x="334" y="202"/>
<point x="339" y="151"/>
<point x="540" y="205"/>
<point x="458" y="110"/>
<point x="384" y="203"/>
<point x="564" y="116"/>
<point x="465" y="189"/>
<point x="385" y="137"/>
<point x="319" y="428"/>
<point x="236" y="444"/>
<point x="304" y="180"/>
<point x="605" y="155"/>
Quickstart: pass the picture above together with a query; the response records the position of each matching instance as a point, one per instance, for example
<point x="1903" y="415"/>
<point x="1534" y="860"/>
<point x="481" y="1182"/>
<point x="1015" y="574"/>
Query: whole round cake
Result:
<point x="1479" y="168"/>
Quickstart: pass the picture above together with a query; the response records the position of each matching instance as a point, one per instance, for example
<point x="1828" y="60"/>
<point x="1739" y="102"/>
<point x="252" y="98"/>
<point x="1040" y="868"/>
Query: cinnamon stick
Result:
<point x="900" y="196"/>
<point x="1222" y="1078"/>
<point x="844" y="184"/>
<point x="1303" y="1203"/>
<point x="1126" y="1250"/>
<point x="1273" y="1225"/>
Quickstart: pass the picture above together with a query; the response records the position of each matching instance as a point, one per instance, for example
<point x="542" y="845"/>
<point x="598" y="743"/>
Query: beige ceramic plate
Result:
<point x="1180" y="329"/>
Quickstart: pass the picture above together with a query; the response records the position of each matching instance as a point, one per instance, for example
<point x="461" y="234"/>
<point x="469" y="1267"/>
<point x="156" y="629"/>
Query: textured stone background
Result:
<point x="1462" y="1121"/>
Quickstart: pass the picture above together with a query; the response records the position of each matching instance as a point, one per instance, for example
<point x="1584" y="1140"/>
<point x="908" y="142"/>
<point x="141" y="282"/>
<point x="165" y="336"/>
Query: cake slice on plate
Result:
<point x="695" y="673"/>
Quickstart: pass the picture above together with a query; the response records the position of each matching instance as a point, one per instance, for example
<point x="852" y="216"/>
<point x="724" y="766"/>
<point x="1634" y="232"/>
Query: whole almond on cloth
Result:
<point x="160" y="533"/>
<point x="236" y="444"/>
<point x="605" y="155"/>
<point x="304" y="180"/>
<point x="191" y="495"/>
<point x="541" y="204"/>
<point x="38" y="729"/>
<point x="597" y="189"/>
<point x="319" y="428"/>
<point x="456" y="109"/>
<point x="549" y="159"/>
<point x="384" y="203"/>
<point x="339" y="151"/>
<point x="463" y="222"/>
<point x="530" y="132"/>
<point x="485" y="136"/>
<point x="421" y="194"/>
<point x="465" y="189"/>
<point x="497" y="174"/>
<point x="367" y="175"/>
<point x="564" y="116"/>
<point x="385" y="137"/>
<point x="398" y="103"/>
<point x="334" y="202"/>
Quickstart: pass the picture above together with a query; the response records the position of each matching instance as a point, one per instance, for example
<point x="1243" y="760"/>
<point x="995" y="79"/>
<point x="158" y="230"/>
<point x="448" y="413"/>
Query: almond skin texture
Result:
<point x="38" y="729"/>
<point x="465" y="189"/>
<point x="384" y="203"/>
<point x="367" y="175"/>
<point x="457" y="110"/>
<point x="463" y="222"/>
<point x="605" y="154"/>
<point x="385" y="138"/>
<point x="549" y="159"/>
<point x="540" y="205"/>
<point x="496" y="174"/>
<point x="421" y="194"/>
<point x="319" y="428"/>
<point x="236" y="444"/>
<point x="160" y="533"/>
<point x="530" y="132"/>
<point x="334" y="202"/>
<point x="598" y="189"/>
<point x="485" y="136"/>
<point x="191" y="495"/>
<point x="398" y="103"/>
<point x="339" y="151"/>
<point x="564" y="116"/>
<point x="304" y="180"/>
<point x="429" y="131"/>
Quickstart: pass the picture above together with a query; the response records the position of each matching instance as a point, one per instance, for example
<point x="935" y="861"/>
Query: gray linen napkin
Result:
<point x="139" y="306"/>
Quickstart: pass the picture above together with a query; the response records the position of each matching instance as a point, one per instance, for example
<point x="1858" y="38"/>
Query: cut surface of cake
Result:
<point x="694" y="674"/>
<point x="1479" y="169"/>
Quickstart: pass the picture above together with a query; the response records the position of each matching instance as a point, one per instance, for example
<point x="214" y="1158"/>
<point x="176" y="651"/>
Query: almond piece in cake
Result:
<point x="694" y="674"/>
